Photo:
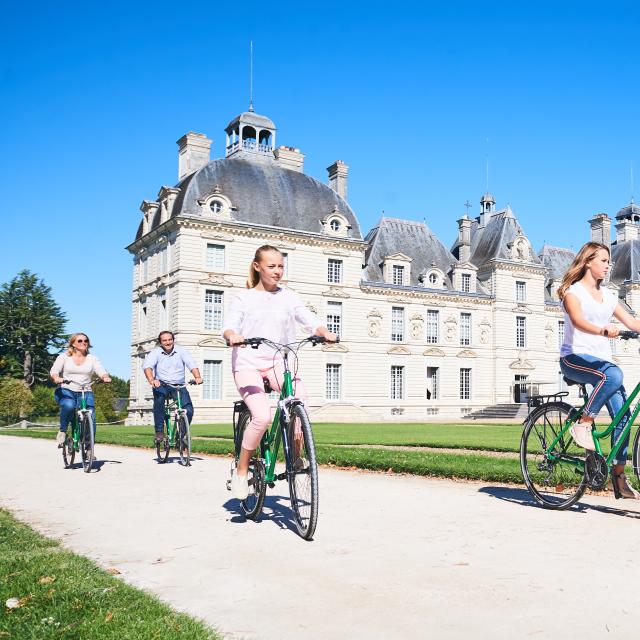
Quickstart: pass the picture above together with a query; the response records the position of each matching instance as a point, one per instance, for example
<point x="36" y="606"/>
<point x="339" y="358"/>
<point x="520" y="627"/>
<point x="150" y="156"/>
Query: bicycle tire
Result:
<point x="635" y="455"/>
<point x="86" y="442"/>
<point x="302" y="471"/>
<point x="252" y="505"/>
<point x="183" y="435"/>
<point x="68" y="450"/>
<point x="553" y="484"/>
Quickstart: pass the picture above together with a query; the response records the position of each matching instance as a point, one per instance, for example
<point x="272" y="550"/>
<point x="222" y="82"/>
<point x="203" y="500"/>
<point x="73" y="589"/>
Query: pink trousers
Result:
<point x="251" y="388"/>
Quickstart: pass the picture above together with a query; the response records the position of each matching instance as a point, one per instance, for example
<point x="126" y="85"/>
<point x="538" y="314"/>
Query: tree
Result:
<point x="44" y="403"/>
<point x="105" y="397"/>
<point x="31" y="323"/>
<point x="15" y="399"/>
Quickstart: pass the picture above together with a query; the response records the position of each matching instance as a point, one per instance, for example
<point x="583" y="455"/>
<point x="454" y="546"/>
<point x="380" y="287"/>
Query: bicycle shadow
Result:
<point x="173" y="460"/>
<point x="96" y="466"/>
<point x="523" y="498"/>
<point x="275" y="510"/>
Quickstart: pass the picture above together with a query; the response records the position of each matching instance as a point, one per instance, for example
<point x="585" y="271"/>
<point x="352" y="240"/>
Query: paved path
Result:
<point x="394" y="557"/>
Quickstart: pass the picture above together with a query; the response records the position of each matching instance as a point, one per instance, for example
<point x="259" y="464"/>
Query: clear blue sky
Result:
<point x="413" y="96"/>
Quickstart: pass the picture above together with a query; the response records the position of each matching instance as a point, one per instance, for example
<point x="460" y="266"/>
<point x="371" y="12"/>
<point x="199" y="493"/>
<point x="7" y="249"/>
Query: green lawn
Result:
<point x="61" y="595"/>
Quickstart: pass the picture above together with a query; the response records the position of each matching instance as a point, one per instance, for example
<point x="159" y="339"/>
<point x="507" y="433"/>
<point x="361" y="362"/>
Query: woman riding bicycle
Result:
<point x="585" y="355"/>
<point x="77" y="366"/>
<point x="270" y="311"/>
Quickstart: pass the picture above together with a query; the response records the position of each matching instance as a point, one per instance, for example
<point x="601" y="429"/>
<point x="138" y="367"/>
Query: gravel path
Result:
<point x="394" y="556"/>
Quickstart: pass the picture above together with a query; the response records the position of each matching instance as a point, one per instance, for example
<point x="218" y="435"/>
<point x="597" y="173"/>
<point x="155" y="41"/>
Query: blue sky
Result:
<point x="414" y="97"/>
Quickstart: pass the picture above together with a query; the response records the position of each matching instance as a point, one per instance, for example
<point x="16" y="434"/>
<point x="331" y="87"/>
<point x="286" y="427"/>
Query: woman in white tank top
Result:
<point x="585" y="355"/>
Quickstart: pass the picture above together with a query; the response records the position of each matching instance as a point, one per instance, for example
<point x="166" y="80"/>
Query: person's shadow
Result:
<point x="97" y="465"/>
<point x="522" y="497"/>
<point x="275" y="510"/>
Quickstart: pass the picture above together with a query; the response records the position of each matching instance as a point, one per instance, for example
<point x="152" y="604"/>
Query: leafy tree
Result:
<point x="43" y="401"/>
<point x="103" y="396"/>
<point x="31" y="323"/>
<point x="15" y="399"/>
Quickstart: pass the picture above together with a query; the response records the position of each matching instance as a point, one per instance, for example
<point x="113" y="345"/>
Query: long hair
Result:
<point x="72" y="339"/>
<point x="254" y="276"/>
<point x="579" y="266"/>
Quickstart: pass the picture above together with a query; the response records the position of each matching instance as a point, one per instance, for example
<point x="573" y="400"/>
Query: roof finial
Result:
<point x="487" y="164"/>
<point x="251" y="75"/>
<point x="631" y="172"/>
<point x="467" y="204"/>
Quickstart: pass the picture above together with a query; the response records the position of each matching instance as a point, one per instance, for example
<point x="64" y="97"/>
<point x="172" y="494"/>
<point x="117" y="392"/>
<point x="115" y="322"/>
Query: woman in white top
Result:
<point x="585" y="355"/>
<point x="264" y="310"/>
<point x="77" y="366"/>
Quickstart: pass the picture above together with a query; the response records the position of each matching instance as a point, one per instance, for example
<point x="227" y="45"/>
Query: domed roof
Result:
<point x="631" y="212"/>
<point x="626" y="261"/>
<point x="487" y="197"/>
<point x="253" y="119"/>
<point x="263" y="192"/>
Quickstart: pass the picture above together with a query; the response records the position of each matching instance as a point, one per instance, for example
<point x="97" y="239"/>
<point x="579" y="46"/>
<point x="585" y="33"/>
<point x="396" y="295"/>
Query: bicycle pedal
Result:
<point x="229" y="485"/>
<point x="271" y="485"/>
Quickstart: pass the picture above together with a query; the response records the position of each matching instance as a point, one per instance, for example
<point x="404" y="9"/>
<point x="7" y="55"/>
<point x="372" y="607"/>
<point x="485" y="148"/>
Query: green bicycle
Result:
<point x="555" y="470"/>
<point x="80" y="437"/>
<point x="177" y="432"/>
<point x="292" y="427"/>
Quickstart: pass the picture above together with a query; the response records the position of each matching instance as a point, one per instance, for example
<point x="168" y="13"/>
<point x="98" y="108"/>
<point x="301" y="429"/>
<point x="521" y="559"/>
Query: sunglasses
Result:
<point x="81" y="340"/>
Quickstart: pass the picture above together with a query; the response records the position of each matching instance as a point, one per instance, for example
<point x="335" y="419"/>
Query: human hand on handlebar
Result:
<point x="234" y="339"/>
<point x="611" y="331"/>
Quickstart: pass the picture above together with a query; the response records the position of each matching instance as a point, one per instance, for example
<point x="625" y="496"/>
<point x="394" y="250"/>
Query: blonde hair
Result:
<point x="72" y="339"/>
<point x="579" y="266"/>
<point x="254" y="276"/>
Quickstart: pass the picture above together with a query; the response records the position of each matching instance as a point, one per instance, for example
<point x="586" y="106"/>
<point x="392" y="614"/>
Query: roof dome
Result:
<point x="630" y="212"/>
<point x="487" y="197"/>
<point x="263" y="193"/>
<point x="253" y="119"/>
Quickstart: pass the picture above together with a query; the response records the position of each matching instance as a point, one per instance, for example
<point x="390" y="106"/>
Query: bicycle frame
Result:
<point x="172" y="407"/>
<point x="75" y="424"/>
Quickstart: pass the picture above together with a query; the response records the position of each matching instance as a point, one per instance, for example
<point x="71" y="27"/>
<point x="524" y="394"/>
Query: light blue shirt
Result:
<point x="169" y="367"/>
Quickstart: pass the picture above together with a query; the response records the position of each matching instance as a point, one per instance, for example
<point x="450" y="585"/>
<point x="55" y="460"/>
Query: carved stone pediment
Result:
<point x="434" y="352"/>
<point x="217" y="235"/>
<point x="522" y="363"/>
<point x="336" y="251"/>
<point x="335" y="292"/>
<point x="521" y="308"/>
<point x="217" y="279"/>
<point x="213" y="341"/>
<point x="467" y="353"/>
<point x="335" y="348"/>
<point x="399" y="351"/>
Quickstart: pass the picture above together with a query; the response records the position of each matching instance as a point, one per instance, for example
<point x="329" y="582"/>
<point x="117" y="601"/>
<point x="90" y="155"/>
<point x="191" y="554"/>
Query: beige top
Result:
<point x="79" y="374"/>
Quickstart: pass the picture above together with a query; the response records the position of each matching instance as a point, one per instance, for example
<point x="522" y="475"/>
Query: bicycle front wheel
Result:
<point x="253" y="503"/>
<point x="553" y="473"/>
<point x="183" y="435"/>
<point x="68" y="450"/>
<point x="302" y="471"/>
<point x="86" y="442"/>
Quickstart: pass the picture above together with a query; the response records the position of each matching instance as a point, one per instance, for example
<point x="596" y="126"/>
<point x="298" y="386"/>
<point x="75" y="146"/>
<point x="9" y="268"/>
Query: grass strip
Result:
<point x="57" y="594"/>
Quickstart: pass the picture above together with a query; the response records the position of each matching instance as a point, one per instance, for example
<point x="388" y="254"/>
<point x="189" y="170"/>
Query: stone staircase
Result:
<point x="506" y="411"/>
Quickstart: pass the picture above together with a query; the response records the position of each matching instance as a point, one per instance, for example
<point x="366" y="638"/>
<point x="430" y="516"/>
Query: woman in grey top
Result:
<point x="77" y="366"/>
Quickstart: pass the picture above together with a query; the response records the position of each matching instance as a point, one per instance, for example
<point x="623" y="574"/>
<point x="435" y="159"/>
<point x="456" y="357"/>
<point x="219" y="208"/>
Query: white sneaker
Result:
<point x="61" y="437"/>
<point x="581" y="434"/>
<point x="239" y="487"/>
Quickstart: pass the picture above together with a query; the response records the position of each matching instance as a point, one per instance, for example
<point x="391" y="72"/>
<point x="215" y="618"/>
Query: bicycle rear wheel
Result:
<point x="554" y="477"/>
<point x="253" y="503"/>
<point x="302" y="471"/>
<point x="68" y="451"/>
<point x="183" y="436"/>
<point x="86" y="441"/>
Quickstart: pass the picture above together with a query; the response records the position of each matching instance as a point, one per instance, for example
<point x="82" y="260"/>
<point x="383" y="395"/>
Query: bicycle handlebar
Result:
<point x="84" y="387"/>
<point x="256" y="342"/>
<point x="628" y="335"/>
<point x="178" y="386"/>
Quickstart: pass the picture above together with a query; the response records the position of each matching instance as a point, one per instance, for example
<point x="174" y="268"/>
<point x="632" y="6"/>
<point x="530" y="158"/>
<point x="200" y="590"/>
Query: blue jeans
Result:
<point x="159" y="395"/>
<point x="606" y="379"/>
<point x="69" y="401"/>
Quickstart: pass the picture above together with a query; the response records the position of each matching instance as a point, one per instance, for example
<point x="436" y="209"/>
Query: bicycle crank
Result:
<point x="595" y="470"/>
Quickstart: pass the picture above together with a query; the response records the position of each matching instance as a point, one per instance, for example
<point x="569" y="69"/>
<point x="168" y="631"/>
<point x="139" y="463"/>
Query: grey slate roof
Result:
<point x="556" y="259"/>
<point x="263" y="192"/>
<point x="626" y="261"/>
<point x="253" y="119"/>
<point x="413" y="239"/>
<point x="630" y="212"/>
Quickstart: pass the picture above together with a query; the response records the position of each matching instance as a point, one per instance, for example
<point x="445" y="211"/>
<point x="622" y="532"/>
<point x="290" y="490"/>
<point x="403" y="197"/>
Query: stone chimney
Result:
<point x="194" y="152"/>
<point x="289" y="158"/>
<point x="626" y="230"/>
<point x="338" y="172"/>
<point x="464" y="239"/>
<point x="601" y="229"/>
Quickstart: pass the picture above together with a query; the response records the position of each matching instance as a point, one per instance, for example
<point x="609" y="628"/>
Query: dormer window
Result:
<point x="336" y="224"/>
<point x="396" y="269"/>
<point x="398" y="274"/>
<point x="216" y="206"/>
<point x="433" y="279"/>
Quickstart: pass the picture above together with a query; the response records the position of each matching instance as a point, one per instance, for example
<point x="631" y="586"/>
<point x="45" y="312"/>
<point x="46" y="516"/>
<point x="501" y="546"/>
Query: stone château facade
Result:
<point x="427" y="333"/>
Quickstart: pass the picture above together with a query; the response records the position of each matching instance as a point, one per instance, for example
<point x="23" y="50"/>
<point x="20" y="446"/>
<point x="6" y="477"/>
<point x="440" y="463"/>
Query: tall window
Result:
<point x="213" y="310"/>
<point x="560" y="332"/>
<point x="465" y="384"/>
<point x="397" y="324"/>
<point x="521" y="332"/>
<point x="333" y="382"/>
<point x="466" y="282"/>
<point x="162" y="313"/>
<point x="433" y="391"/>
<point x="398" y="274"/>
<point x="433" y="326"/>
<point x="215" y="257"/>
<point x="334" y="317"/>
<point x="212" y="380"/>
<point x="521" y="291"/>
<point x="334" y="270"/>
<point x="397" y="382"/>
<point x="465" y="329"/>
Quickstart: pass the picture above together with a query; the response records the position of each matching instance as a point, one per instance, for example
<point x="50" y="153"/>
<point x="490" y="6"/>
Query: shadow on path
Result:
<point x="276" y="508"/>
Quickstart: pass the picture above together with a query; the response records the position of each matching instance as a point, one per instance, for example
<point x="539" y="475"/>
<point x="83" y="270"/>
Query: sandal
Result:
<point x="581" y="434"/>
<point x="622" y="488"/>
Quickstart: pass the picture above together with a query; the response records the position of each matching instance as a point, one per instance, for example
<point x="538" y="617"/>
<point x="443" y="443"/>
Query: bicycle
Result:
<point x="80" y="437"/>
<point x="555" y="470"/>
<point x="176" y="432"/>
<point x="292" y="427"/>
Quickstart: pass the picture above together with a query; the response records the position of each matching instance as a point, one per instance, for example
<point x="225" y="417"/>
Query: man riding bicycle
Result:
<point x="166" y="364"/>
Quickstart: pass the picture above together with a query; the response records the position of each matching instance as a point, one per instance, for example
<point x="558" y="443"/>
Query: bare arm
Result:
<point x="574" y="309"/>
<point x="626" y="318"/>
<point x="195" y="372"/>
